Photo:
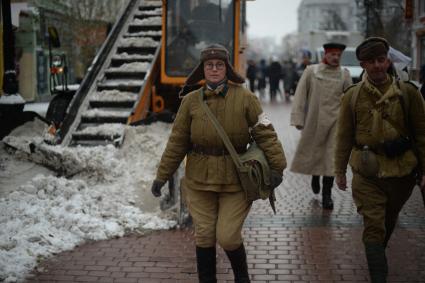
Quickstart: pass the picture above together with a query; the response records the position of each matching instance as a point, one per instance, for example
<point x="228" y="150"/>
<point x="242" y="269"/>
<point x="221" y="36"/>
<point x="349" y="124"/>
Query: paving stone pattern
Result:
<point x="301" y="243"/>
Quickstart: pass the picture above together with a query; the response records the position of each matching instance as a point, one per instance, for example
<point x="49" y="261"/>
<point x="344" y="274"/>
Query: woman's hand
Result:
<point x="156" y="187"/>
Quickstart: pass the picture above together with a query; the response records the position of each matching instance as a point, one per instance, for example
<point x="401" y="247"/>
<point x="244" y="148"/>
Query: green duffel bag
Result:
<point x="254" y="173"/>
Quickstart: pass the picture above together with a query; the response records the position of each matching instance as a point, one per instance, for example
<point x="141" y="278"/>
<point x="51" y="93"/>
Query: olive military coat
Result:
<point x="367" y="126"/>
<point x="240" y="114"/>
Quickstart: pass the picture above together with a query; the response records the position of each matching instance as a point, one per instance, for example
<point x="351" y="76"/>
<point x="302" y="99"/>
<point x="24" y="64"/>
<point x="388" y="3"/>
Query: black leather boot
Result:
<point x="315" y="184"/>
<point x="205" y="259"/>
<point x="376" y="262"/>
<point x="239" y="265"/>
<point x="327" y="202"/>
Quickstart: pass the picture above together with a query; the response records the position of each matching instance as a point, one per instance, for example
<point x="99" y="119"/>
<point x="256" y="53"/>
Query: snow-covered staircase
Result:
<point x="103" y="113"/>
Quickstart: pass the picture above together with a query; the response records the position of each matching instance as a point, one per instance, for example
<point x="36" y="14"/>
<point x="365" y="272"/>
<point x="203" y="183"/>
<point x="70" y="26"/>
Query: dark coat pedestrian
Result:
<point x="251" y="74"/>
<point x="275" y="74"/>
<point x="262" y="75"/>
<point x="289" y="77"/>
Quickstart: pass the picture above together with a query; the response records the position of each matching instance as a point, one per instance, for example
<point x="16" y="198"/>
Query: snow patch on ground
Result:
<point x="104" y="129"/>
<point x="113" y="95"/>
<point x="157" y="11"/>
<point x="125" y="55"/>
<point x="138" y="42"/>
<point x="131" y="67"/>
<point x="107" y="197"/>
<point x="95" y="112"/>
<point x="152" y="21"/>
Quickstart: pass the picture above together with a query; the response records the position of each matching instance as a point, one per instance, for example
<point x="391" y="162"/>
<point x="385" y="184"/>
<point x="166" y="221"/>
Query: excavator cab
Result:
<point x="191" y="25"/>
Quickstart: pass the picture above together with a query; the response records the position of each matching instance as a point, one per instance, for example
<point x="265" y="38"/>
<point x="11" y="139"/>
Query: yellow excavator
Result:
<point x="140" y="69"/>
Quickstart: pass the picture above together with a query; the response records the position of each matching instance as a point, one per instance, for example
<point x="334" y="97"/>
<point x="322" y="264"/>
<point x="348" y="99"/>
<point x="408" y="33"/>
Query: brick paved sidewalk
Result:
<point x="302" y="243"/>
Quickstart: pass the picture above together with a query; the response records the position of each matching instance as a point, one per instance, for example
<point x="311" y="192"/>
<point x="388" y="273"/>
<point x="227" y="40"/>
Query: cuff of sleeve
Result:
<point x="161" y="178"/>
<point x="297" y="119"/>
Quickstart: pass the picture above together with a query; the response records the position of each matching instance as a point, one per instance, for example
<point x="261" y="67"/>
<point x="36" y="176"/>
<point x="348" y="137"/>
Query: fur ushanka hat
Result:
<point x="214" y="51"/>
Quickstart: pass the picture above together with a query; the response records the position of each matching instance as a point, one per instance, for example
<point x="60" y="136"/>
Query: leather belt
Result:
<point x="199" y="149"/>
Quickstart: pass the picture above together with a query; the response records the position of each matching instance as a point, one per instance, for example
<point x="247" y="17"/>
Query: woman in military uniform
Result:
<point x="211" y="187"/>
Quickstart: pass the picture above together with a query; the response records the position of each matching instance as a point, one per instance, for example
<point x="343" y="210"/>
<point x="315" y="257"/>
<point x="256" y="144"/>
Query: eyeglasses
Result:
<point x="219" y="66"/>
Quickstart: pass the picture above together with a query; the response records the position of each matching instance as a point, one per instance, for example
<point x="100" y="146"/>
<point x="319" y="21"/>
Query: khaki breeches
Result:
<point x="217" y="216"/>
<point x="380" y="201"/>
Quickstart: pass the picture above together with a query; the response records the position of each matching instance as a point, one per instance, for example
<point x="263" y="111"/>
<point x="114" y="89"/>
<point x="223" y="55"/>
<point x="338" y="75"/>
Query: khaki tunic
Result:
<point x="211" y="187"/>
<point x="239" y="113"/>
<point x="315" y="107"/>
<point x="348" y="134"/>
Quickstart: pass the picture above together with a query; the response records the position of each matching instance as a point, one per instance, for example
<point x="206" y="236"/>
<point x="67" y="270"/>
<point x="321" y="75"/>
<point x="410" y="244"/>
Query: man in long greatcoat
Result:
<point x="314" y="111"/>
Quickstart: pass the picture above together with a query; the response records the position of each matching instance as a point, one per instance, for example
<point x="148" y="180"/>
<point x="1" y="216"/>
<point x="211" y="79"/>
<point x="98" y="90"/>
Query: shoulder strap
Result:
<point x="405" y="105"/>
<point x="220" y="131"/>
<point x="404" y="100"/>
<point x="353" y="101"/>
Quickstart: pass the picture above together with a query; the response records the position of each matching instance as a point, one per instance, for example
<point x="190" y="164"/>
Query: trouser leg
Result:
<point x="239" y="264"/>
<point x="376" y="262"/>
<point x="233" y="211"/>
<point x="379" y="201"/>
<point x="315" y="184"/>
<point x="396" y="198"/>
<point x="206" y="264"/>
<point x="327" y="202"/>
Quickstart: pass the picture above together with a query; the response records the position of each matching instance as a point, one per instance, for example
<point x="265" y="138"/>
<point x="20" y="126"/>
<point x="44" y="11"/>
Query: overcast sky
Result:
<point x="272" y="17"/>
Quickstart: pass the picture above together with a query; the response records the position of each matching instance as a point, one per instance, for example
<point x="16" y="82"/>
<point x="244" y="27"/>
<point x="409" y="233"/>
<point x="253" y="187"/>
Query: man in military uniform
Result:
<point x="211" y="186"/>
<point x="314" y="111"/>
<point x="378" y="119"/>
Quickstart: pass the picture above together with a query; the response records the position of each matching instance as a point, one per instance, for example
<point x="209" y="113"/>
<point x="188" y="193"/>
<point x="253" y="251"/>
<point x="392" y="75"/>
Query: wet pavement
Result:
<point x="301" y="243"/>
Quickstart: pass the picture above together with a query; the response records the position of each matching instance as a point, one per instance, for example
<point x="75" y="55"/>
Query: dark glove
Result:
<point x="275" y="178"/>
<point x="156" y="187"/>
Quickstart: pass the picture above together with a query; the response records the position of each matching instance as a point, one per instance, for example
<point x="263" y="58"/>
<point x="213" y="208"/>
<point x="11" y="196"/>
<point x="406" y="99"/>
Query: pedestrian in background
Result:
<point x="211" y="187"/>
<point x="262" y="75"/>
<point x="376" y="116"/>
<point x="289" y="77"/>
<point x="275" y="74"/>
<point x="314" y="111"/>
<point x="251" y="74"/>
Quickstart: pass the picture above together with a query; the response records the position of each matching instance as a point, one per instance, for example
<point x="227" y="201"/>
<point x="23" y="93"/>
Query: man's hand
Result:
<point x="341" y="182"/>
<point x="156" y="187"/>
<point x="299" y="127"/>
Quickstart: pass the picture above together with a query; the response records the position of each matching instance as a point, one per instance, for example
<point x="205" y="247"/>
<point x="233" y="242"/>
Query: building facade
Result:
<point x="321" y="21"/>
<point x="317" y="15"/>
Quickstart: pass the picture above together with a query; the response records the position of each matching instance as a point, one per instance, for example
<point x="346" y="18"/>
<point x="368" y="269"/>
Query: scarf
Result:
<point x="216" y="89"/>
<point x="381" y="129"/>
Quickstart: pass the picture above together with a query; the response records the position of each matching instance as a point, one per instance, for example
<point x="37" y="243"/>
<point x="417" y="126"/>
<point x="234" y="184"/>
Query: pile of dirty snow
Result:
<point x="107" y="196"/>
